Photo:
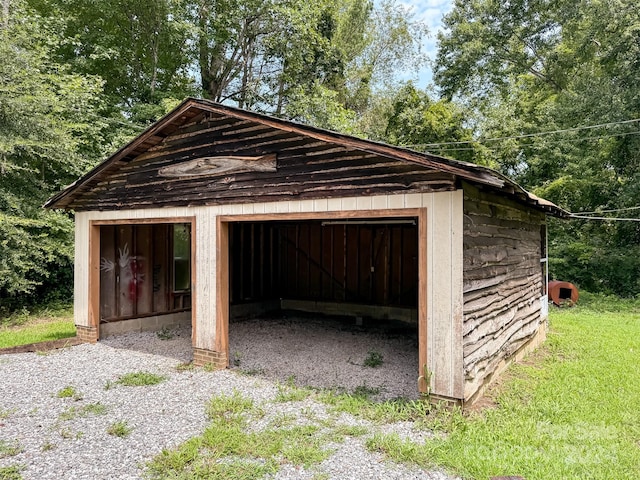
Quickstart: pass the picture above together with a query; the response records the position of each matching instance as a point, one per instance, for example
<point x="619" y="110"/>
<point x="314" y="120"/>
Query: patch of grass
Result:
<point x="69" y="392"/>
<point x="397" y="449"/>
<point x="34" y="332"/>
<point x="365" y="391"/>
<point x="11" y="473"/>
<point x="9" y="449"/>
<point x="140" y="379"/>
<point x="397" y="410"/>
<point x="292" y="394"/>
<point x="373" y="359"/>
<point x="48" y="446"/>
<point x="225" y="406"/>
<point x="68" y="434"/>
<point x="185" y="367"/>
<point x="91" y="409"/>
<point x="165" y="333"/>
<point x="350" y="430"/>
<point x="120" y="429"/>
<point x="6" y="413"/>
<point x="229" y="449"/>
<point x="569" y="411"/>
<point x="237" y="359"/>
<point x="209" y="367"/>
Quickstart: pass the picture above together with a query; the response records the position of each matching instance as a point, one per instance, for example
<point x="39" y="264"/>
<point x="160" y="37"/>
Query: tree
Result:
<point x="416" y="121"/>
<point x="536" y="66"/>
<point x="47" y="119"/>
<point x="139" y="48"/>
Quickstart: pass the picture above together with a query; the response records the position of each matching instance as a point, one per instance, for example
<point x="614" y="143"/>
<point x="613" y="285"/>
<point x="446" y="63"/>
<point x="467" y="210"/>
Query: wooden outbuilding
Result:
<point x="215" y="210"/>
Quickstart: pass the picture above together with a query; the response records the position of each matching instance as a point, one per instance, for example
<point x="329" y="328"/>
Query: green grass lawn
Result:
<point x="39" y="326"/>
<point x="571" y="411"/>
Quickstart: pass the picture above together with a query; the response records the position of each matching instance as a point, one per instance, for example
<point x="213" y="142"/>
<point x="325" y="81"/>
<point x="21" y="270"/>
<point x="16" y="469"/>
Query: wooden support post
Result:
<point x="424" y="382"/>
<point x="222" y="293"/>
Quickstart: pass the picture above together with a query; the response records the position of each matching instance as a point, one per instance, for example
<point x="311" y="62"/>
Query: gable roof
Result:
<point x="192" y="111"/>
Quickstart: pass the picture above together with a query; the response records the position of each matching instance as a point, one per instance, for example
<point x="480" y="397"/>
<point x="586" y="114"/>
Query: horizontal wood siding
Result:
<point x="306" y="169"/>
<point x="502" y="282"/>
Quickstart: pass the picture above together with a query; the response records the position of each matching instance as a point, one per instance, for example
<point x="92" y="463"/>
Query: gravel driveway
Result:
<point x="59" y="437"/>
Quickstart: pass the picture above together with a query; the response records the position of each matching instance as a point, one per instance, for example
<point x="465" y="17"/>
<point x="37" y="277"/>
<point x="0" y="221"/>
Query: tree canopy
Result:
<point x="546" y="91"/>
<point x="530" y="67"/>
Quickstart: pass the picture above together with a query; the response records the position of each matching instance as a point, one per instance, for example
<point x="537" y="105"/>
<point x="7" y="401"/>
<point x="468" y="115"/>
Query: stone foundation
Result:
<point x="217" y="360"/>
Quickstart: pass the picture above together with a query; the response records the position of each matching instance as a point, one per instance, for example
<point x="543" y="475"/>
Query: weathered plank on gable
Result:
<point x="306" y="168"/>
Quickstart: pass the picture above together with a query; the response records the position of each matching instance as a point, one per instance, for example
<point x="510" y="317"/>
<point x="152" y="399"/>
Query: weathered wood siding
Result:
<point x="305" y="169"/>
<point x="444" y="264"/>
<point x="502" y="282"/>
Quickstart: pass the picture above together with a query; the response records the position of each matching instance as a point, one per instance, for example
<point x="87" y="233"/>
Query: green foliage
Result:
<point x="38" y="332"/>
<point x="373" y="359"/>
<point x="11" y="472"/>
<point x="10" y="449"/>
<point x="225" y="406"/>
<point x="568" y="412"/>
<point x="140" y="379"/>
<point x="540" y="66"/>
<point x="69" y="392"/>
<point x="91" y="409"/>
<point x="229" y="449"/>
<point x="398" y="410"/>
<point x="120" y="429"/>
<point x="47" y="130"/>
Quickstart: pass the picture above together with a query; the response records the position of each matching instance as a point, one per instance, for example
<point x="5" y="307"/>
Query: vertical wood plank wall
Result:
<point x="502" y="283"/>
<point x="444" y="264"/>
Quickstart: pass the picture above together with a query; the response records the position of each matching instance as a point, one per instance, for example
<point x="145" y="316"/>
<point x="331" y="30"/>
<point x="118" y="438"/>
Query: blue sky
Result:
<point x="429" y="12"/>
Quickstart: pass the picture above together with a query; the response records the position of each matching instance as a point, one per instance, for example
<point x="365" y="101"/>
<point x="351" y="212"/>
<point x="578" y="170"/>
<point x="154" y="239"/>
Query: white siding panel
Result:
<point x="444" y="298"/>
<point x="413" y="200"/>
<point x="363" y="203"/>
<point x="349" y="203"/>
<point x="334" y="204"/>
<point x="205" y="287"/>
<point x="380" y="202"/>
<point x="81" y="271"/>
<point x="321" y="205"/>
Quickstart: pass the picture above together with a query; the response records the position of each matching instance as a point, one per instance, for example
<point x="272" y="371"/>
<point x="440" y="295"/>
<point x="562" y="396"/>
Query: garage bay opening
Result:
<point x="327" y="303"/>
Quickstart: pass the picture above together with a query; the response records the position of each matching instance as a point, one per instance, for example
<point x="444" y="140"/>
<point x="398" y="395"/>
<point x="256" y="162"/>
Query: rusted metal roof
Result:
<point x="285" y="134"/>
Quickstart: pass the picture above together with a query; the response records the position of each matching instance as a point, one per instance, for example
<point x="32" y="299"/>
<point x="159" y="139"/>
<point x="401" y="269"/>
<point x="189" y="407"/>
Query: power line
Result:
<point x="609" y="211"/>
<point x="533" y="145"/>
<point x="612" y="219"/>
<point x="528" y="135"/>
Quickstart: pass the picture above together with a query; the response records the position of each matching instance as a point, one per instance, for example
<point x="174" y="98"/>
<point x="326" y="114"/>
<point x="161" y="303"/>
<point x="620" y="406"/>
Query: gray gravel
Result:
<point x="164" y="415"/>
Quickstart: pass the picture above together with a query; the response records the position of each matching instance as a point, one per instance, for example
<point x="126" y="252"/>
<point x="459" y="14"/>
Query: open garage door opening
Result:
<point x="145" y="277"/>
<point x="326" y="303"/>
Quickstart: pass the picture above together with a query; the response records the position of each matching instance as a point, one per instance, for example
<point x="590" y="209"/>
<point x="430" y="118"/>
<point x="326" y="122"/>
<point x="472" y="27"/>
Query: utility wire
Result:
<point x="609" y="211"/>
<point x="528" y="135"/>
<point x="612" y="219"/>
<point x="533" y="145"/>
